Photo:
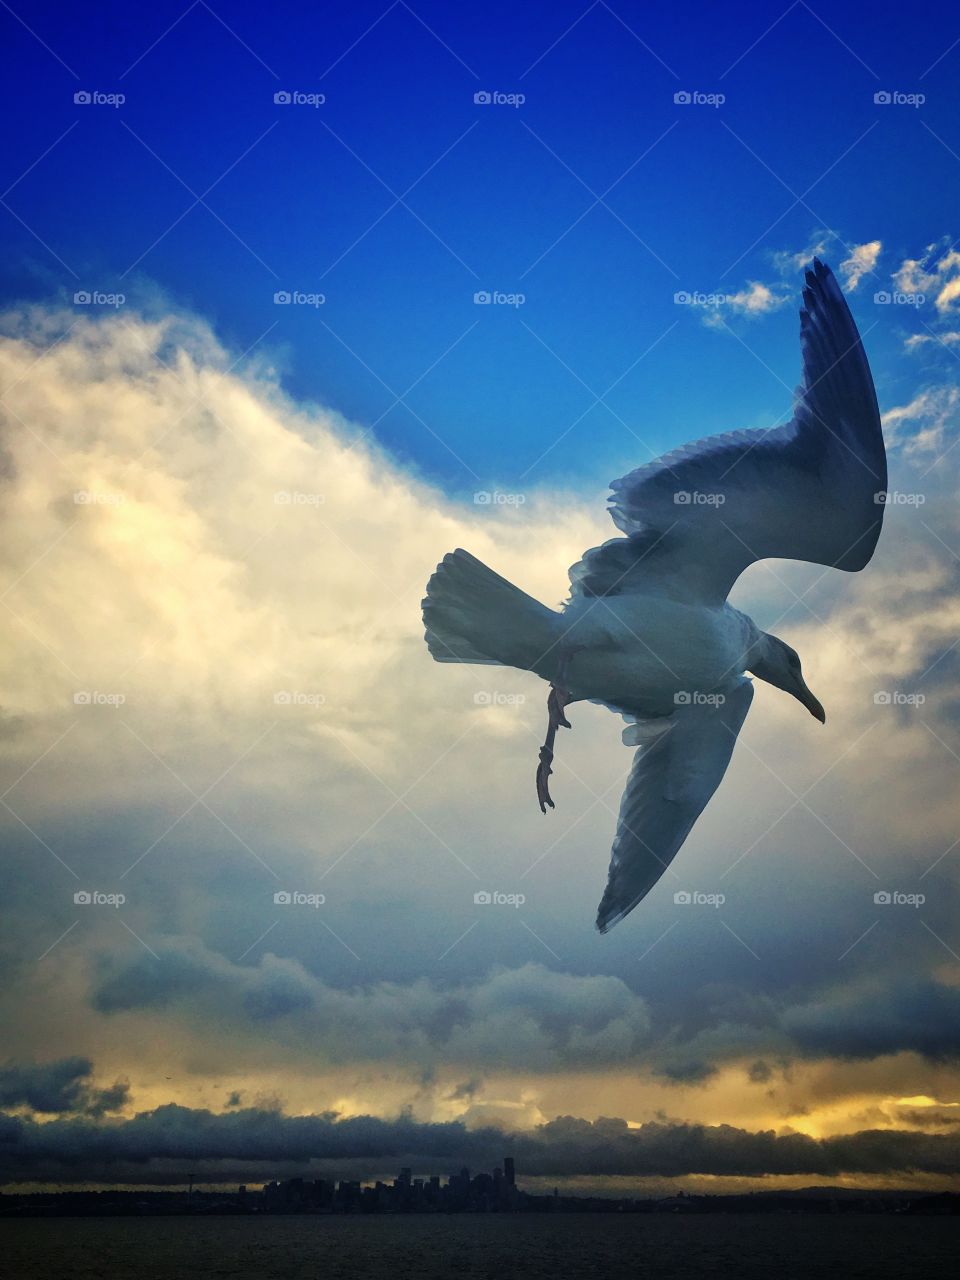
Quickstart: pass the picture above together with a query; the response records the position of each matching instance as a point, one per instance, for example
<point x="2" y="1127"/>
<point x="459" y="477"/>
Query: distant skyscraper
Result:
<point x="509" y="1176"/>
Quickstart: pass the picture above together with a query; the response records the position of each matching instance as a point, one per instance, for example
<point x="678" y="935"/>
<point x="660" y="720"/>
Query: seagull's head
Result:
<point x="774" y="661"/>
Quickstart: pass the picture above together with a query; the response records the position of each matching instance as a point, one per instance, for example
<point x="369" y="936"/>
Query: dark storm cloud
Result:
<point x="551" y="1020"/>
<point x="917" y="1015"/>
<point x="254" y="1142"/>
<point x="57" y="1087"/>
<point x="548" y="1020"/>
<point x="693" y="1072"/>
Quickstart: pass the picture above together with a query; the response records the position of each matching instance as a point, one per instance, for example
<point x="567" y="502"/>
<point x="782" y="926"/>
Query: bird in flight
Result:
<point x="647" y="630"/>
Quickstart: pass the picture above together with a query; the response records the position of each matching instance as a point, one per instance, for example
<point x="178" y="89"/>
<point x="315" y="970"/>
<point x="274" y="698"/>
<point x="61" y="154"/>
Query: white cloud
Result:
<point x="861" y="261"/>
<point x="917" y="340"/>
<point x="788" y="262"/>
<point x="935" y="274"/>
<point x="925" y="422"/>
<point x="183" y="585"/>
<point x="756" y="299"/>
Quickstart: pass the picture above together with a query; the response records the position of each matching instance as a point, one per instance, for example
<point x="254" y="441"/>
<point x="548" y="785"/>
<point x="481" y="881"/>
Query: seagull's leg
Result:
<point x="557" y="700"/>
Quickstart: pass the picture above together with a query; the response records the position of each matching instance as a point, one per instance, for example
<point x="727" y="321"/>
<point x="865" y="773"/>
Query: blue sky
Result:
<point x="503" y="198"/>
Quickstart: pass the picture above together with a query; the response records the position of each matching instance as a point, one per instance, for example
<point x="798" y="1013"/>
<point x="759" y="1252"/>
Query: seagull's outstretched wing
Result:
<point x="807" y="490"/>
<point x="672" y="778"/>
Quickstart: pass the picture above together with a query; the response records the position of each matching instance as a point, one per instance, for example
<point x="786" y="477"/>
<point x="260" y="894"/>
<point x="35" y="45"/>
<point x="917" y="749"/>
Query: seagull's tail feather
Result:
<point x="471" y="614"/>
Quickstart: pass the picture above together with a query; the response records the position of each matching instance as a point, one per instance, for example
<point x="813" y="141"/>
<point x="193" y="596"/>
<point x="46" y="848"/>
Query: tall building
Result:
<point x="509" y="1175"/>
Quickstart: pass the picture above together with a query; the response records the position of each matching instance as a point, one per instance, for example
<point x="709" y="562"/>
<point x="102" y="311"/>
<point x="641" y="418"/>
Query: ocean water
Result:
<point x="491" y="1247"/>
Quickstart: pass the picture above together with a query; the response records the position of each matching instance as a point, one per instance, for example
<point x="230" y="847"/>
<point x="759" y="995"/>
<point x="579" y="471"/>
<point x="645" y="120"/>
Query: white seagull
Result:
<point x="647" y="630"/>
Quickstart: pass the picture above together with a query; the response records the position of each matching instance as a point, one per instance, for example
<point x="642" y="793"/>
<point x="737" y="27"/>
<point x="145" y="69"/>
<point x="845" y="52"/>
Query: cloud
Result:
<point x="756" y="299"/>
<point x="251" y="1144"/>
<point x="916" y="1015"/>
<point x="936" y="274"/>
<point x="860" y="262"/>
<point x="917" y="340"/>
<point x="548" y="1020"/>
<point x="788" y="261"/>
<point x="924" y="425"/>
<point x="179" y="581"/>
<point x="64" y="1085"/>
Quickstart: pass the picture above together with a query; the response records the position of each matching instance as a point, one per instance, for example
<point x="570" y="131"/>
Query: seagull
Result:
<point x="647" y="629"/>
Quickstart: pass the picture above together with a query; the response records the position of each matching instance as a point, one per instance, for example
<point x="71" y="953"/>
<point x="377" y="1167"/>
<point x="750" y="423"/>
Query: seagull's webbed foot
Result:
<point x="557" y="700"/>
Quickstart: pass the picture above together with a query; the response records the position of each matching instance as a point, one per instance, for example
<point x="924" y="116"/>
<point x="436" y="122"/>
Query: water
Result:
<point x="475" y="1247"/>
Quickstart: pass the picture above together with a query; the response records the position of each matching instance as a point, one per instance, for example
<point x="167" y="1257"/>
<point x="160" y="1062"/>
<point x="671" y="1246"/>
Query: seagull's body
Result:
<point x="639" y="652"/>
<point x="648" y="630"/>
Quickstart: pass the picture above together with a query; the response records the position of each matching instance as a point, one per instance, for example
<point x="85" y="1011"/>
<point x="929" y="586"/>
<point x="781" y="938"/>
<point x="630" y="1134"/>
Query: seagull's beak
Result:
<point x="813" y="705"/>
